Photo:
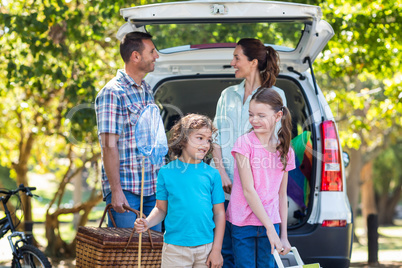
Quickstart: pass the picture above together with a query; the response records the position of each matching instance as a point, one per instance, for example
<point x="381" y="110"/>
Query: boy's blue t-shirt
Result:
<point x="191" y="190"/>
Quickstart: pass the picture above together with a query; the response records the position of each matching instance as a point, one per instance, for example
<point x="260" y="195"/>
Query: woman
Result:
<point x="258" y="66"/>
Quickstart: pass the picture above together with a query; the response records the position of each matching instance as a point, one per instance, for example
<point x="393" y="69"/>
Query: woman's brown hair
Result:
<point x="181" y="130"/>
<point x="273" y="99"/>
<point x="267" y="57"/>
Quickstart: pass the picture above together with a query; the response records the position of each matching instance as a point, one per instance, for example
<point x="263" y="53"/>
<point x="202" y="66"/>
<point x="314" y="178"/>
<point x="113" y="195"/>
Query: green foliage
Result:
<point x="360" y="70"/>
<point x="5" y="179"/>
<point x="170" y="35"/>
<point x="55" y="56"/>
<point x="387" y="177"/>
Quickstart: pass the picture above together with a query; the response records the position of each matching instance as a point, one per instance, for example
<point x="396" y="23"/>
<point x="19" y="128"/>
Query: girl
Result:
<point x="258" y="203"/>
<point x="258" y="66"/>
<point x="190" y="198"/>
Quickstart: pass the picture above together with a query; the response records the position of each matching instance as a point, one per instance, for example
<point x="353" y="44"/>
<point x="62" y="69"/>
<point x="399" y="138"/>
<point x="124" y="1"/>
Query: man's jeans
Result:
<point x="127" y="219"/>
<point x="251" y="247"/>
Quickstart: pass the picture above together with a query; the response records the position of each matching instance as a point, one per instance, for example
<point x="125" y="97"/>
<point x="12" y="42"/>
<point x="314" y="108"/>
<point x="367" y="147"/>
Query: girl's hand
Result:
<point x="286" y="246"/>
<point x="274" y="240"/>
<point x="141" y="225"/>
<point x="215" y="259"/>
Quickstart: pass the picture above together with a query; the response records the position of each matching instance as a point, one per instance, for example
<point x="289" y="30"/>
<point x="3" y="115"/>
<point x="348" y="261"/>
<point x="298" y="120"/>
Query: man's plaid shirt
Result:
<point x="118" y="107"/>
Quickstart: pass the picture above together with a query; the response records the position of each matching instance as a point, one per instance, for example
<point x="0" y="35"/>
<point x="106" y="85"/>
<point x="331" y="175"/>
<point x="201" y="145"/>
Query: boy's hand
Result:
<point x="215" y="259"/>
<point x="141" y="225"/>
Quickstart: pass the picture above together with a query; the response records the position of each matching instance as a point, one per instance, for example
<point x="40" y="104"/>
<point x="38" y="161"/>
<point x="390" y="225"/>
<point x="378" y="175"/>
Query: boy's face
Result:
<point x="198" y="144"/>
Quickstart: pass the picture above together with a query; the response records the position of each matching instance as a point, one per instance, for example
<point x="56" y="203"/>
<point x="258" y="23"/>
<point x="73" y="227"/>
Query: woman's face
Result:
<point x="243" y="67"/>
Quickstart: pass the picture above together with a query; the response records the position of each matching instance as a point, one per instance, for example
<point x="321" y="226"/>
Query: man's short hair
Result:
<point x="132" y="42"/>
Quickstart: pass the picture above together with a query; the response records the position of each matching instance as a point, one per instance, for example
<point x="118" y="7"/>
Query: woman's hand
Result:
<point x="226" y="183"/>
<point x="141" y="225"/>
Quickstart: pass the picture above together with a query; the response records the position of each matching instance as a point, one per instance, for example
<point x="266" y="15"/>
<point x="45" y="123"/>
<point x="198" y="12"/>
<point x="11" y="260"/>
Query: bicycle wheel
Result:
<point x="31" y="257"/>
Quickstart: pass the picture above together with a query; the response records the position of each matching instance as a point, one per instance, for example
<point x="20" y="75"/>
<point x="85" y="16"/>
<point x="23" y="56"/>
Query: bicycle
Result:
<point x="24" y="254"/>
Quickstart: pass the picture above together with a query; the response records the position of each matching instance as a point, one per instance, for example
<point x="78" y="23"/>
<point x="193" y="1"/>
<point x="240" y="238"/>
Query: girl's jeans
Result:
<point x="251" y="247"/>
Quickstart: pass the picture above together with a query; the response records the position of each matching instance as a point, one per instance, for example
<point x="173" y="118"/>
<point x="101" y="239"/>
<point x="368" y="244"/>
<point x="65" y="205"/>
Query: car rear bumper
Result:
<point x="329" y="246"/>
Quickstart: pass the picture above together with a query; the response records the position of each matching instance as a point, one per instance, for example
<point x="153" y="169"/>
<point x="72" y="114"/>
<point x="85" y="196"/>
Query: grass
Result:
<point x="389" y="243"/>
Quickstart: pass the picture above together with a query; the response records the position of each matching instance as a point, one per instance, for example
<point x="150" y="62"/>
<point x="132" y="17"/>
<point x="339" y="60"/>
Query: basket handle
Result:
<point x="108" y="210"/>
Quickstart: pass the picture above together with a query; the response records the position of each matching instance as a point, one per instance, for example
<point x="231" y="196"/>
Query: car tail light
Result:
<point x="334" y="223"/>
<point x="331" y="158"/>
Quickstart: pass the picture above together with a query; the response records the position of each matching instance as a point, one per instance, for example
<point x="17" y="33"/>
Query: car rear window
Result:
<point x="283" y="35"/>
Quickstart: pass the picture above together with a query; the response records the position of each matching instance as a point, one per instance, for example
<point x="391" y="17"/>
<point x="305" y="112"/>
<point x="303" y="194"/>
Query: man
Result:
<point x="118" y="107"/>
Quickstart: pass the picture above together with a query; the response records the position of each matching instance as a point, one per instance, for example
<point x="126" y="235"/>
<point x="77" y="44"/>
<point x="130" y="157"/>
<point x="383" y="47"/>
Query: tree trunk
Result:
<point x="77" y="195"/>
<point x="367" y="191"/>
<point x="22" y="178"/>
<point x="353" y="180"/>
<point x="57" y="247"/>
<point x="369" y="211"/>
<point x="387" y="205"/>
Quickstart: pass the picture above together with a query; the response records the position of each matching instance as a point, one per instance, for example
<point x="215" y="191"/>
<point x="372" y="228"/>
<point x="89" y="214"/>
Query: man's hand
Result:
<point x="118" y="199"/>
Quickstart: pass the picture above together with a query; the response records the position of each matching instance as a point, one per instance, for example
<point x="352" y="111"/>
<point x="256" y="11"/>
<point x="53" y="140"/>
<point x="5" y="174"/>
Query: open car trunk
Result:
<point x="181" y="95"/>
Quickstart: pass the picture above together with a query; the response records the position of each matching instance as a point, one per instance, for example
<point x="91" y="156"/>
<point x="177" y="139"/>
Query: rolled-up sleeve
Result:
<point x="109" y="113"/>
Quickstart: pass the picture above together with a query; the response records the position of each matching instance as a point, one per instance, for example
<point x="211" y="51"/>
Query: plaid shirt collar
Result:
<point x="128" y="80"/>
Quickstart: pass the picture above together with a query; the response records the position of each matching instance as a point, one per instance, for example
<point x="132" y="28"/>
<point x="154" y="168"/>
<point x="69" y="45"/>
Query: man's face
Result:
<point x="148" y="56"/>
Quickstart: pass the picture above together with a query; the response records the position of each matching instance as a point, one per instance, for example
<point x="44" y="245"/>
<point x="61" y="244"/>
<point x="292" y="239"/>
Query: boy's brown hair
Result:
<point x="181" y="130"/>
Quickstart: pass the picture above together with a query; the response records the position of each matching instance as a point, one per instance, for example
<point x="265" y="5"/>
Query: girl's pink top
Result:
<point x="267" y="171"/>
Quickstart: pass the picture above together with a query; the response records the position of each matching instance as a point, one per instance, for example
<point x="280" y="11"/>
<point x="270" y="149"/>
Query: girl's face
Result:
<point x="198" y="144"/>
<point x="262" y="117"/>
<point x="243" y="67"/>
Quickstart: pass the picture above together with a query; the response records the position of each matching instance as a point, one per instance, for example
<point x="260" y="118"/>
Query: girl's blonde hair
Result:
<point x="181" y="130"/>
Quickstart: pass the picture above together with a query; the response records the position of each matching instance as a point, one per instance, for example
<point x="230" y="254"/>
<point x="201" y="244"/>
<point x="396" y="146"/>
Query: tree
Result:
<point x="359" y="73"/>
<point x="388" y="182"/>
<point x="55" y="55"/>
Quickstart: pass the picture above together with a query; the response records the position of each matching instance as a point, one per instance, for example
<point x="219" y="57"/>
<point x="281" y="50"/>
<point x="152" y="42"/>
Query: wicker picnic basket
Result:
<point x="117" y="247"/>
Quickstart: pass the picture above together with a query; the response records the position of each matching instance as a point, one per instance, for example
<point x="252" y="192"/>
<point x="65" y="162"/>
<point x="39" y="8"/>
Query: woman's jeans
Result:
<point x="227" y="251"/>
<point x="127" y="219"/>
<point x="251" y="247"/>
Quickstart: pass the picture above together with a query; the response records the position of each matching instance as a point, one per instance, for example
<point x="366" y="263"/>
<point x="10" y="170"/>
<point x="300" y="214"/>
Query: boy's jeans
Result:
<point x="251" y="247"/>
<point x="127" y="219"/>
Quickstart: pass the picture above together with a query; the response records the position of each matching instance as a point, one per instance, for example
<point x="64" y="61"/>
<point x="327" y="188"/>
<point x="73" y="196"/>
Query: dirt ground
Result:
<point x="71" y="263"/>
<point x="388" y="264"/>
